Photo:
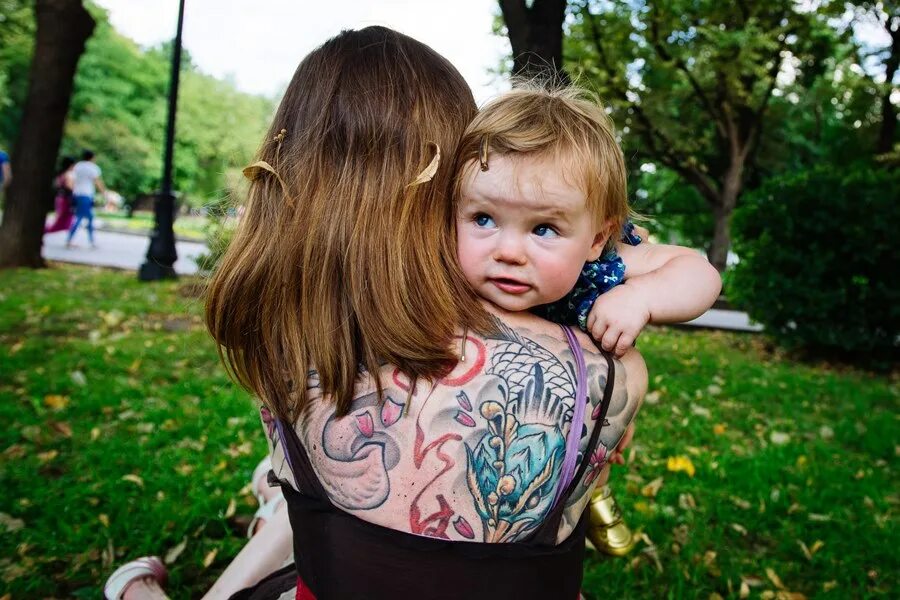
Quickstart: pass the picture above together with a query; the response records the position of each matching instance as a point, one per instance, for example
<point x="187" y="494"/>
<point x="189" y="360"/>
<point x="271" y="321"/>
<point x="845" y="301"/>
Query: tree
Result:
<point x="536" y="35"/>
<point x="63" y="27"/>
<point x="691" y="83"/>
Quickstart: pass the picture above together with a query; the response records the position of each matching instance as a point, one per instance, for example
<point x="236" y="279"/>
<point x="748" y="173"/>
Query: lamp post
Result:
<point x="161" y="255"/>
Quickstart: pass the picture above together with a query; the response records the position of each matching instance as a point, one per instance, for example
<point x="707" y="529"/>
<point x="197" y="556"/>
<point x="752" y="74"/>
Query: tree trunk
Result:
<point x="536" y="36"/>
<point x="63" y="27"/>
<point x="888" y="112"/>
<point x="722" y="209"/>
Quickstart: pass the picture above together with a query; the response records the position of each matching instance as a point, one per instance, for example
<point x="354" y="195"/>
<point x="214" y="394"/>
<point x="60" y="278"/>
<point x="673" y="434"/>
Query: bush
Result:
<point x="818" y="262"/>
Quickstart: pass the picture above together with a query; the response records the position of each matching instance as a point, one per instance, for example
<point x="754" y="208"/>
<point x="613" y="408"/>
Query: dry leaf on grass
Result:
<point x="11" y="523"/>
<point x="56" y="402"/>
<point x="104" y="519"/>
<point x="62" y="428"/>
<point x="680" y="464"/>
<point x="719" y="428"/>
<point x="133" y="479"/>
<point x="47" y="456"/>
<point x="651" y="489"/>
<point x="232" y="507"/>
<point x="773" y="577"/>
<point x="210" y="557"/>
<point x="175" y="551"/>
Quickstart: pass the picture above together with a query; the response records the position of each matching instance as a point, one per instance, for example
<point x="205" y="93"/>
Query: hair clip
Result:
<point x="428" y="172"/>
<point x="254" y="171"/>
<point x="483" y="153"/>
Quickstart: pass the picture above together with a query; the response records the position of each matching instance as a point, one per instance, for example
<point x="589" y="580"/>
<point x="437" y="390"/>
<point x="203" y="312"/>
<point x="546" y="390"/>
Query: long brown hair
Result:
<point x="340" y="262"/>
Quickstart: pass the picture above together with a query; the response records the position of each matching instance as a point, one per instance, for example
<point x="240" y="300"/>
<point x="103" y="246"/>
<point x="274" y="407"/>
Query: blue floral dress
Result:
<point x="597" y="277"/>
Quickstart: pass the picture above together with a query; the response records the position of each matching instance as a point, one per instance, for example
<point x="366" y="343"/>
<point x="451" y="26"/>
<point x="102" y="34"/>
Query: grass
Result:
<point x="186" y="227"/>
<point x="122" y="436"/>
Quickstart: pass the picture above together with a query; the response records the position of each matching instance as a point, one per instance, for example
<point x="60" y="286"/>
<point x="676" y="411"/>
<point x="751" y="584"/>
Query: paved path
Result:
<point x="128" y="251"/>
<point x="119" y="250"/>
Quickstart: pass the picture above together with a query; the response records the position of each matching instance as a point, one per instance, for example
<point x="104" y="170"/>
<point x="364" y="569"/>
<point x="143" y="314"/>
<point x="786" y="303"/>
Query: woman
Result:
<point x="63" y="183"/>
<point x="424" y="454"/>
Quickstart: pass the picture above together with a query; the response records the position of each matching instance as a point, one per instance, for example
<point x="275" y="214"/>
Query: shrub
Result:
<point x="818" y="262"/>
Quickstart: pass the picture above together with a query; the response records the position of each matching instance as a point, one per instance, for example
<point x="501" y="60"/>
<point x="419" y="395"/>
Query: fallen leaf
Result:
<point x="11" y="523"/>
<point x="78" y="378"/>
<point x="739" y="528"/>
<point x="210" y="557"/>
<point x="719" y="428"/>
<point x="817" y="545"/>
<point x="135" y="366"/>
<point x="700" y="411"/>
<point x="829" y="585"/>
<point x="133" y="479"/>
<point x="819" y="518"/>
<point x="104" y="519"/>
<point x="63" y="428"/>
<point x="56" y="402"/>
<point x="680" y="463"/>
<point x="651" y="398"/>
<point x="740" y="502"/>
<point x="185" y="469"/>
<point x="47" y="456"/>
<point x="95" y="433"/>
<point x="745" y="590"/>
<point x="779" y="438"/>
<point x="686" y="502"/>
<point x="232" y="507"/>
<point x="773" y="577"/>
<point x="175" y="551"/>
<point x="651" y="489"/>
<point x="805" y="550"/>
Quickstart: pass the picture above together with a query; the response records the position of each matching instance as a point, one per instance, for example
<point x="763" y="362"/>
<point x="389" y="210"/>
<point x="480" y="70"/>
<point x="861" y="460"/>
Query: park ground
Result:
<point x="751" y="475"/>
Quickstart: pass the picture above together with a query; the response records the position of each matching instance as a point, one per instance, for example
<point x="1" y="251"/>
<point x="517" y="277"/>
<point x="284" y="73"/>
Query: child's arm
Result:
<point x="663" y="284"/>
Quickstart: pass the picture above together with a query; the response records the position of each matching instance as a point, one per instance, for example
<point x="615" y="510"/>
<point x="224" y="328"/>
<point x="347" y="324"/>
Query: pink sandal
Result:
<point x="147" y="566"/>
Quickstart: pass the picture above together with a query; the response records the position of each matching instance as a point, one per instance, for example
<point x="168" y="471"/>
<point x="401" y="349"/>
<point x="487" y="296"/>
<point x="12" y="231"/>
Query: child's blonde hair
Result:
<point x="570" y="125"/>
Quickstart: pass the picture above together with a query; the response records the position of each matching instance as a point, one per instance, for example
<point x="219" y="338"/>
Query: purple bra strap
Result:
<point x="574" y="437"/>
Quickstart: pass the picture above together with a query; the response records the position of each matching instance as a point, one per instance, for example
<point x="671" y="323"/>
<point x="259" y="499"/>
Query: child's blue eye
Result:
<point x="545" y="231"/>
<point x="484" y="221"/>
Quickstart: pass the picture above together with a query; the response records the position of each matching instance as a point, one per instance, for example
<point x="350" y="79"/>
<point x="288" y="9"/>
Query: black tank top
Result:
<point x="340" y="556"/>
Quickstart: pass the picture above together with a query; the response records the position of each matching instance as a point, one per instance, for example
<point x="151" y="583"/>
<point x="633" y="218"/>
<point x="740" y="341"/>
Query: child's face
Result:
<point x="523" y="231"/>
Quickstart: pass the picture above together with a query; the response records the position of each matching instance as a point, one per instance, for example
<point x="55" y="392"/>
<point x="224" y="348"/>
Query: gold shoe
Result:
<point x="606" y="529"/>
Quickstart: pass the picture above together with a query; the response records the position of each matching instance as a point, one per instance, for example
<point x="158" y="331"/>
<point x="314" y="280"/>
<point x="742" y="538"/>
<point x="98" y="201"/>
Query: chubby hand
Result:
<point x="617" y="318"/>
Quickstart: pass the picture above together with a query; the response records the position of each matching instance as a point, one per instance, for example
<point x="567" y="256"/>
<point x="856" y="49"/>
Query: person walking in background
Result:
<point x="5" y="171"/>
<point x="86" y="175"/>
<point x="63" y="183"/>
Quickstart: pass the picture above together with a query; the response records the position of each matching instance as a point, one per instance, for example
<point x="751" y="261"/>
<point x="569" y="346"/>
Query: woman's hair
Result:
<point x="65" y="164"/>
<point x="568" y="124"/>
<point x="340" y="262"/>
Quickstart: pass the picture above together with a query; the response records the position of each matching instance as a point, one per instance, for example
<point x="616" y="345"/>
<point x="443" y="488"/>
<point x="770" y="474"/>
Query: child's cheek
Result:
<point x="469" y="253"/>
<point x="560" y="272"/>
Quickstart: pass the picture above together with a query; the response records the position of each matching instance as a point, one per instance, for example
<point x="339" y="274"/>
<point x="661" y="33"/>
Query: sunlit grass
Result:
<point x="122" y="436"/>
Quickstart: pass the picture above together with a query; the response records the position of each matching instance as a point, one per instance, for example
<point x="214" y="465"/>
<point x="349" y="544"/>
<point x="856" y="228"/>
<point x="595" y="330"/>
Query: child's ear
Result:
<point x="600" y="242"/>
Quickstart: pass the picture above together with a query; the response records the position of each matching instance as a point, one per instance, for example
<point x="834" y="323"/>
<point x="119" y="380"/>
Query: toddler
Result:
<point x="542" y="225"/>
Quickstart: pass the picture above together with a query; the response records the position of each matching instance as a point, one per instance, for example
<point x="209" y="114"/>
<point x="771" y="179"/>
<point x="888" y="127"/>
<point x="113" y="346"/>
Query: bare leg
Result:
<point x="265" y="553"/>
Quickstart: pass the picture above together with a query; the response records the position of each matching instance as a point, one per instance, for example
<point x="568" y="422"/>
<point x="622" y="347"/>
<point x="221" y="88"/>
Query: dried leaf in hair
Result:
<point x="429" y="171"/>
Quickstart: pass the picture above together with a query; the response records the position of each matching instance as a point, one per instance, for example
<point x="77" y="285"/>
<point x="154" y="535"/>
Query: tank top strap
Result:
<point x="546" y="533"/>
<point x="298" y="460"/>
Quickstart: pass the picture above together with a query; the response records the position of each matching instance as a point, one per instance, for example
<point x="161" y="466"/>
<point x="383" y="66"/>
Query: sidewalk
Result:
<point x="118" y="250"/>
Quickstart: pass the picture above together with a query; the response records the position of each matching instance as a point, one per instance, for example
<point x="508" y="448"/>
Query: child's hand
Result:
<point x="617" y="318"/>
<point x="618" y="454"/>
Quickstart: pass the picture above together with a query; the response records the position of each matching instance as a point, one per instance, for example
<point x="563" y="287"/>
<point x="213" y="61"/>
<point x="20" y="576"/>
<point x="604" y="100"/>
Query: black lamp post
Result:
<point x="161" y="255"/>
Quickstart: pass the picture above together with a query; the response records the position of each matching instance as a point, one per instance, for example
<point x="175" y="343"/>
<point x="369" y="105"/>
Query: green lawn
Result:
<point x="185" y="227"/>
<point x="122" y="436"/>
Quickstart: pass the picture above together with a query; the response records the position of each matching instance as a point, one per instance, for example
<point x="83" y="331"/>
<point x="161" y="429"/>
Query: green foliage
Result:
<point x="818" y="262"/>
<point x="118" y="110"/>
<point x="684" y="79"/>
<point x="104" y="379"/>
<point x="17" y="29"/>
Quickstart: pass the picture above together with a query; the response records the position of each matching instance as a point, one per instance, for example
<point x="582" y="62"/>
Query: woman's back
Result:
<point x="478" y="455"/>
